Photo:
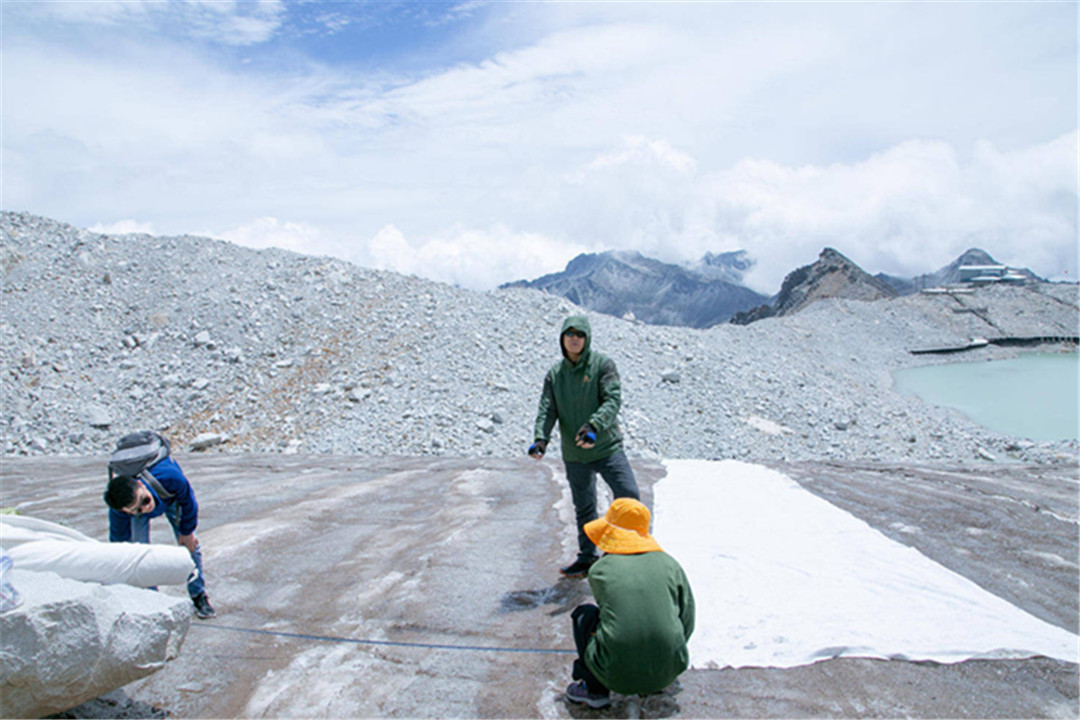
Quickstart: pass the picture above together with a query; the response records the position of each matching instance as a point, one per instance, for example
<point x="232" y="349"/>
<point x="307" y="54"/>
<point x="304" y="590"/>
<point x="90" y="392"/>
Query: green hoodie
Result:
<point x="646" y="618"/>
<point x="588" y="391"/>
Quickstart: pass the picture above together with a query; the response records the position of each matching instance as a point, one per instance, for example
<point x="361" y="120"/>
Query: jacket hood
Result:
<point x="578" y="322"/>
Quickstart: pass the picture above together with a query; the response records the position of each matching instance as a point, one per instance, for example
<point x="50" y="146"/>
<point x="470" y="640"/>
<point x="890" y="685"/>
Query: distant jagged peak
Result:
<point x="831" y="257"/>
<point x="730" y="257"/>
<point x="864" y="285"/>
<point x="625" y="283"/>
<point x="731" y="266"/>
<point x="587" y="263"/>
<point x="974" y="256"/>
<point x="832" y="275"/>
<point x="950" y="274"/>
<point x="625" y="255"/>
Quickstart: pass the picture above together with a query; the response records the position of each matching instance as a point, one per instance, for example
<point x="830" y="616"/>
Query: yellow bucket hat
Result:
<point x="624" y="529"/>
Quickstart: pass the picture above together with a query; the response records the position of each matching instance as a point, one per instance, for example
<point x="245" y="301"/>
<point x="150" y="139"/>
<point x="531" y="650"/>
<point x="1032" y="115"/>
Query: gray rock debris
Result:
<point x="311" y="354"/>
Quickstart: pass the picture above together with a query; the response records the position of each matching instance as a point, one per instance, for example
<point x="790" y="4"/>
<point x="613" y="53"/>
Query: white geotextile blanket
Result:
<point x="43" y="546"/>
<point x="783" y="578"/>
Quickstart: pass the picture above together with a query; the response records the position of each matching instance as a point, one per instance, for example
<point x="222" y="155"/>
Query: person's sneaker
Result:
<point x="579" y="693"/>
<point x="579" y="568"/>
<point x="203" y="609"/>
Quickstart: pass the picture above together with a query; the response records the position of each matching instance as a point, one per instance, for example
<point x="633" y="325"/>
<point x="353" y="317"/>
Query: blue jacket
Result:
<point x="169" y="474"/>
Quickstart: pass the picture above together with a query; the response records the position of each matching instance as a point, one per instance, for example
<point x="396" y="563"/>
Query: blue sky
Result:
<point x="478" y="143"/>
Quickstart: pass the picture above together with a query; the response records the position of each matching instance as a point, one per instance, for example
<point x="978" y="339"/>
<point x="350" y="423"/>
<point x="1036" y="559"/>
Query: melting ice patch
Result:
<point x="783" y="578"/>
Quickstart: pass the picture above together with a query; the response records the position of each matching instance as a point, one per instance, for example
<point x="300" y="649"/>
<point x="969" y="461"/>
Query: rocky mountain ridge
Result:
<point x="702" y="294"/>
<point x="242" y="350"/>
<point x="832" y="276"/>
<point x="630" y="285"/>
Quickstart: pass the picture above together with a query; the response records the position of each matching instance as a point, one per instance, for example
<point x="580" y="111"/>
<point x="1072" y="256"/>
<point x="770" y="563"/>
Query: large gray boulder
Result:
<point x="70" y="641"/>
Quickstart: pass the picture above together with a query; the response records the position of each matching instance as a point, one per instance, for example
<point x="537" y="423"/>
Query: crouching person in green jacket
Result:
<point x="635" y="642"/>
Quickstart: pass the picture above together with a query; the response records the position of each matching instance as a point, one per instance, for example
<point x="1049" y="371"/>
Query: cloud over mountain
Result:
<point x="480" y="143"/>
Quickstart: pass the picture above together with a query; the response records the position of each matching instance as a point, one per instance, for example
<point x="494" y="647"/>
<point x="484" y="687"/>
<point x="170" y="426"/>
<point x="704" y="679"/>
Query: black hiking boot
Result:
<point x="579" y="568"/>
<point x="203" y="609"/>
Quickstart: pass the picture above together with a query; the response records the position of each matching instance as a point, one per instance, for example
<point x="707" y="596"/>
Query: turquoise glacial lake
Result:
<point x="1032" y="396"/>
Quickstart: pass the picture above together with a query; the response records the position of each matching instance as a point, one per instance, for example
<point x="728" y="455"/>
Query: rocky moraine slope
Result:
<point x="271" y="351"/>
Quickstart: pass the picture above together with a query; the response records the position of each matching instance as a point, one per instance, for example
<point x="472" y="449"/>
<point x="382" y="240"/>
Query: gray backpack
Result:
<point x="135" y="454"/>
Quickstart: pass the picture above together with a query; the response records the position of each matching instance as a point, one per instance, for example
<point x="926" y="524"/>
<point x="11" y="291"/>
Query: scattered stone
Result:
<point x="98" y="417"/>
<point x="766" y="426"/>
<point x="206" y="441"/>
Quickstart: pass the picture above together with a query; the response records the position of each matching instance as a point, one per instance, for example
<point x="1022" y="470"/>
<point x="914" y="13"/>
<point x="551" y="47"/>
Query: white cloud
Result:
<point x="268" y="232"/>
<point x="105" y="12"/>
<point x="459" y="11"/>
<point x="123" y="227"/>
<point x="230" y="22"/>
<point x="908" y="210"/>
<point x="471" y="258"/>
<point x="671" y="129"/>
<point x="638" y="149"/>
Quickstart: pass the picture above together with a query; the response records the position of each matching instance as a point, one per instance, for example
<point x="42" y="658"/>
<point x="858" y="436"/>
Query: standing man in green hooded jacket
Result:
<point x="584" y="394"/>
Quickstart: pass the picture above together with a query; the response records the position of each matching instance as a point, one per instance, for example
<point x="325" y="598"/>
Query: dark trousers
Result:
<point x="585" y="619"/>
<point x="615" y="469"/>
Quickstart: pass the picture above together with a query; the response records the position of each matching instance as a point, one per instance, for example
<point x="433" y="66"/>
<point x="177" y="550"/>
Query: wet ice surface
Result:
<point x="784" y="578"/>
<point x="402" y="586"/>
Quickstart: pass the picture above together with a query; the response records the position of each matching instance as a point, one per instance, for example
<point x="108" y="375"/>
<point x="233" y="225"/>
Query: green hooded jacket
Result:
<point x="588" y="391"/>
<point x="646" y="619"/>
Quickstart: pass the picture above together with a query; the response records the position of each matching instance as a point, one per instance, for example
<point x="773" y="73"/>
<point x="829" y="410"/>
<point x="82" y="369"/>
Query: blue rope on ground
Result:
<point x="390" y="643"/>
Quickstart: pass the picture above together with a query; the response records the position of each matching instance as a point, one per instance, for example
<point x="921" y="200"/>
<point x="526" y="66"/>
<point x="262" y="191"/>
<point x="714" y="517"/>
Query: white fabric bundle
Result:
<point x="44" y="546"/>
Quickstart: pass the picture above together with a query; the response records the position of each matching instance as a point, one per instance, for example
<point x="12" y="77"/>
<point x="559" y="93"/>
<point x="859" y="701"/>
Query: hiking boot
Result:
<point x="203" y="609"/>
<point x="579" y="568"/>
<point x="579" y="693"/>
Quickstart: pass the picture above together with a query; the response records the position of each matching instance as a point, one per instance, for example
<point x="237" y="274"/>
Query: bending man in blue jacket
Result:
<point x="132" y="503"/>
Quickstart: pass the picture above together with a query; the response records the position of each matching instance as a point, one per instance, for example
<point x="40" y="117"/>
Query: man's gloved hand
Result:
<point x="586" y="436"/>
<point x="538" y="448"/>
